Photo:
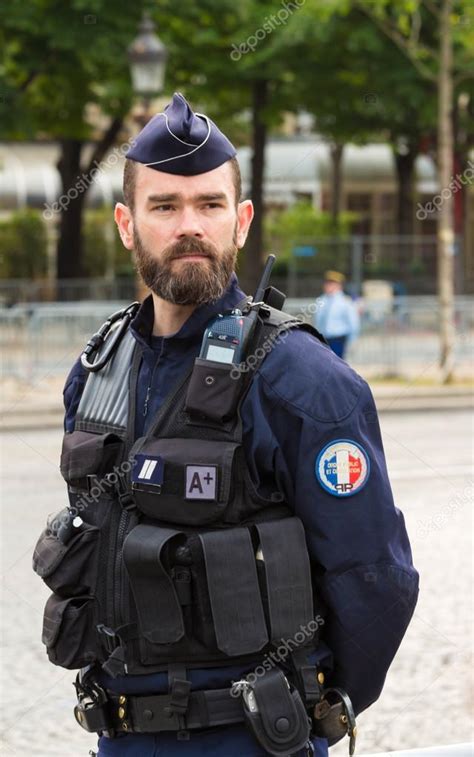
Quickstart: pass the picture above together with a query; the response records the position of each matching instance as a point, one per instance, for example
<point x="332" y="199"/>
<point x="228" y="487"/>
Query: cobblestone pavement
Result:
<point x="426" y="700"/>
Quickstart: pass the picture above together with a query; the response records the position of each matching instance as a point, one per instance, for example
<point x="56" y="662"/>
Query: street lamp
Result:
<point x="147" y="57"/>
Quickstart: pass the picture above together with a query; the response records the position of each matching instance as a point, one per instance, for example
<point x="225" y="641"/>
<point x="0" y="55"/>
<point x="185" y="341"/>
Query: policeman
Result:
<point x="231" y="574"/>
<point x="336" y="316"/>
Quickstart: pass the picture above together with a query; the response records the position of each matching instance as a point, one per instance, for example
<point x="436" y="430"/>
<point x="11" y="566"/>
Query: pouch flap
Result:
<point x="158" y="606"/>
<point x="67" y="568"/>
<point x="53" y="615"/>
<point x="234" y="593"/>
<point x="287" y="576"/>
<point x="85" y="454"/>
<point x="48" y="553"/>
<point x="214" y="389"/>
<point x="185" y="481"/>
<point x="281" y="723"/>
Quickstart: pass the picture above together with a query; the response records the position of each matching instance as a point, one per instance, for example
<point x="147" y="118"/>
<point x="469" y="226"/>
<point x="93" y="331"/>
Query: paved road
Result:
<point x="426" y="698"/>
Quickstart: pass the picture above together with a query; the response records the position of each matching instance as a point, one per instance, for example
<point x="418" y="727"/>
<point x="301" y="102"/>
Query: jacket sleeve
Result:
<point x="72" y="392"/>
<point x="358" y="544"/>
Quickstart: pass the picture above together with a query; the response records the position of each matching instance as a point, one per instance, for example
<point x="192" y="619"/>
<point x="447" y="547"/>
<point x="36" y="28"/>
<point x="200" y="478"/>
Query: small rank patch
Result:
<point x="148" y="469"/>
<point x="201" y="481"/>
<point x="342" y="468"/>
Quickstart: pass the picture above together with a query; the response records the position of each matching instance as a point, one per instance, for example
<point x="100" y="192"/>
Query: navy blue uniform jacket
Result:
<point x="302" y="398"/>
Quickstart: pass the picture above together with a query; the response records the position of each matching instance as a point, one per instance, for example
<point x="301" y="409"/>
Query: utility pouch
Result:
<point x="334" y="718"/>
<point x="183" y="480"/>
<point x="275" y="714"/>
<point x="69" y="631"/>
<point x="68" y="567"/>
<point x="158" y="606"/>
<point x="214" y="389"/>
<point x="285" y="578"/>
<point x="84" y="454"/>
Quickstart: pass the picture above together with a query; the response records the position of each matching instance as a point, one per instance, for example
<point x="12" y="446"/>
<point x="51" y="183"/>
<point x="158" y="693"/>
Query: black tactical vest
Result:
<point x="167" y="553"/>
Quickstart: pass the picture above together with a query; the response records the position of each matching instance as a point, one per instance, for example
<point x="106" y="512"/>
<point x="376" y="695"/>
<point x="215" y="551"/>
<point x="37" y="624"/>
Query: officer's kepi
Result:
<point x="182" y="142"/>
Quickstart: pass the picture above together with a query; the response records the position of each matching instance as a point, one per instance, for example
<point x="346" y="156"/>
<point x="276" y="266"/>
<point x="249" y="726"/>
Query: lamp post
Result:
<point x="147" y="58"/>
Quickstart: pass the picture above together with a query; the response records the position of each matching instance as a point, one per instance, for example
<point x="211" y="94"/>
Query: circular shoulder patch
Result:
<point x="342" y="468"/>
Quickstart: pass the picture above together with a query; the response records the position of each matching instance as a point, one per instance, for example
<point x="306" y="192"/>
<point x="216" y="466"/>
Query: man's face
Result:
<point x="331" y="287"/>
<point x="185" y="231"/>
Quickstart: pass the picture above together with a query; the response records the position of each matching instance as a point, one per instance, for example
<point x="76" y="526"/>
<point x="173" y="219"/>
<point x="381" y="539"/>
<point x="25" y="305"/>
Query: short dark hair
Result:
<point x="129" y="175"/>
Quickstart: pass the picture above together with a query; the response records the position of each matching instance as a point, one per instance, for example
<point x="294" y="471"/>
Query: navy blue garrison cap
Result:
<point x="181" y="142"/>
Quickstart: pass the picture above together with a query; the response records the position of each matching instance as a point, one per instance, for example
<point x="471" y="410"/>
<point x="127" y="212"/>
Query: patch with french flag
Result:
<point x="342" y="467"/>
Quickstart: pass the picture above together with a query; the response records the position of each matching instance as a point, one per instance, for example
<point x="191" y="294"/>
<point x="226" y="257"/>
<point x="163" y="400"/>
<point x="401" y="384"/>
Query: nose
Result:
<point x="189" y="225"/>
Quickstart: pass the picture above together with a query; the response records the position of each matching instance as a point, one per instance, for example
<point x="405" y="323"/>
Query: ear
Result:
<point x="124" y="220"/>
<point x="244" y="219"/>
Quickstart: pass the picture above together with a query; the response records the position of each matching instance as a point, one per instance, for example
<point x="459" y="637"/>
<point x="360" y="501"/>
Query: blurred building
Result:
<point x="296" y="168"/>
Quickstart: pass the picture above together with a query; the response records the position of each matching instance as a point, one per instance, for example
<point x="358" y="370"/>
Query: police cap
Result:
<point x="179" y="141"/>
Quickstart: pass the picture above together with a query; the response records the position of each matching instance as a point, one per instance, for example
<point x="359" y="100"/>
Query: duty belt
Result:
<point x="271" y="708"/>
<point x="180" y="710"/>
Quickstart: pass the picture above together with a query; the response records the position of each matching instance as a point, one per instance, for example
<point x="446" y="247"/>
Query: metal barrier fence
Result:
<point x="397" y="338"/>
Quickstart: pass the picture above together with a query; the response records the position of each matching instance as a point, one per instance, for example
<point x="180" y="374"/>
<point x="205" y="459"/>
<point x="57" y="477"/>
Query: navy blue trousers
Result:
<point x="231" y="741"/>
<point x="338" y="345"/>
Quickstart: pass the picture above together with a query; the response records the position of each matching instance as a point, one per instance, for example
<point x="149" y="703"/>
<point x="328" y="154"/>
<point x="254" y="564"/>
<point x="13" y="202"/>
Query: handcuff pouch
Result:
<point x="279" y="722"/>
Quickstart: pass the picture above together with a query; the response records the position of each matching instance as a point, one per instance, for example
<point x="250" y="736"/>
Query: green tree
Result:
<point x="64" y="77"/>
<point x="23" y="246"/>
<point x="431" y="35"/>
<point x="239" y="62"/>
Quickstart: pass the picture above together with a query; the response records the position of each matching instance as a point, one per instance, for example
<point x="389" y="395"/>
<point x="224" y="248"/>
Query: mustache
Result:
<point x="190" y="246"/>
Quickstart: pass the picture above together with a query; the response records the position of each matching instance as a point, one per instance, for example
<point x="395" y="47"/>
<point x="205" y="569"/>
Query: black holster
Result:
<point x="276" y="715"/>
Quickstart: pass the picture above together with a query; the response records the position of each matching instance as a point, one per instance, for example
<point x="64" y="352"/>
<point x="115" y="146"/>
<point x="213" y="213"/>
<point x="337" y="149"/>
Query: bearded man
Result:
<point x="233" y="577"/>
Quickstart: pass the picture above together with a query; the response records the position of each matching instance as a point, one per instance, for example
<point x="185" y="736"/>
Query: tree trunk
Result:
<point x="69" y="250"/>
<point x="74" y="186"/>
<point x="253" y="248"/>
<point x="445" y="216"/>
<point x="405" y="164"/>
<point x="336" y="180"/>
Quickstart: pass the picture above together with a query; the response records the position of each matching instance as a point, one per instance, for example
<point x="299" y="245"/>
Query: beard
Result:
<point x="191" y="282"/>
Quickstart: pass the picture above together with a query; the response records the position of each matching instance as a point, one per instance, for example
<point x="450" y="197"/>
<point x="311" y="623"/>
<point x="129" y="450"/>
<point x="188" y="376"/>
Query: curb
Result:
<point x="52" y="416"/>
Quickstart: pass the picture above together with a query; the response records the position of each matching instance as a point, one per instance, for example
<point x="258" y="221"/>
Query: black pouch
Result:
<point x="157" y="602"/>
<point x="69" y="631"/>
<point x="334" y="718"/>
<point x="69" y="569"/>
<point x="227" y="607"/>
<point x="276" y="715"/>
<point x="214" y="389"/>
<point x="285" y="579"/>
<point x="183" y="480"/>
<point x="85" y="454"/>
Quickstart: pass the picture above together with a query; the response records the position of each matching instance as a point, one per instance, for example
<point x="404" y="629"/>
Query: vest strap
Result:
<point x="158" y="606"/>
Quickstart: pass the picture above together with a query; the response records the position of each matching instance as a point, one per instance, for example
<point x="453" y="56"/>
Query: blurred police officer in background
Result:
<point x="336" y="316"/>
<point x="231" y="574"/>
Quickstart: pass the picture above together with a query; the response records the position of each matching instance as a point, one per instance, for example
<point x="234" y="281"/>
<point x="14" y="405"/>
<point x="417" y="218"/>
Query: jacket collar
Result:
<point x="142" y="324"/>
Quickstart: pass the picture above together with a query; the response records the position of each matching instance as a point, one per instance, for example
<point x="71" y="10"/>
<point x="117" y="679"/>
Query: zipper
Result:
<point x="150" y="385"/>
<point x="118" y="599"/>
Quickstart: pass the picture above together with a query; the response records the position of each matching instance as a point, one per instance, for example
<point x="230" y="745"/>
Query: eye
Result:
<point x="213" y="205"/>
<point x="163" y="208"/>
